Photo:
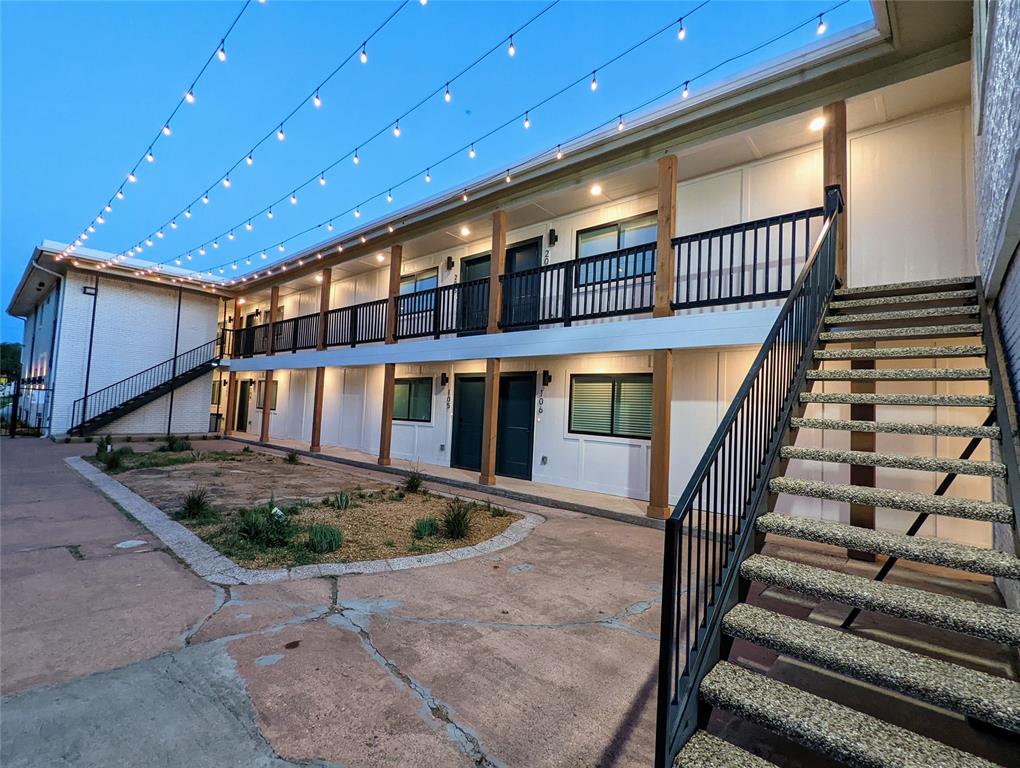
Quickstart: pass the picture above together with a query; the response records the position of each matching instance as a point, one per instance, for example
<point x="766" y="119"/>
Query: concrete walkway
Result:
<point x="542" y="654"/>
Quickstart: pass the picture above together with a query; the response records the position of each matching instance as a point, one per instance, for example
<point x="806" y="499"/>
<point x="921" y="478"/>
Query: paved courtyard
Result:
<point x="542" y="654"/>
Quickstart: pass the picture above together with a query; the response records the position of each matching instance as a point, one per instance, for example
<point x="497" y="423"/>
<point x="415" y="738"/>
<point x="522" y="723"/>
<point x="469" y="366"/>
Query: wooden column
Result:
<point x="490" y="418"/>
<point x="386" y="427"/>
<point x="274" y="298"/>
<point x="497" y="265"/>
<point x="665" y="261"/>
<point x="320" y="372"/>
<point x="662" y="399"/>
<point x="230" y="416"/>
<point x="834" y="171"/>
<point x="396" y="256"/>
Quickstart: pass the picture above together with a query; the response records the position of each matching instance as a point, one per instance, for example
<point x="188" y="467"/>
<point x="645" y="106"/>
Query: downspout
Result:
<point x="173" y="369"/>
<point x="88" y="364"/>
<point x="51" y="373"/>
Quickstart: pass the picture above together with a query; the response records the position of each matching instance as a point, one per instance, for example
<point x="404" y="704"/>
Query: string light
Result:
<point x="221" y="54"/>
<point x="108" y="208"/>
<point x="357" y="213"/>
<point x="527" y="121"/>
<point x="120" y="194"/>
<point x="507" y="176"/>
<point x="201" y="251"/>
<point x="687" y="89"/>
<point x="280" y="247"/>
<point x="428" y="175"/>
<point x="166" y="129"/>
<point x="280" y="134"/>
<point x="821" y="25"/>
<point x="132" y="178"/>
<point x="447" y="97"/>
<point x="471" y="152"/>
<point x="396" y="128"/>
<point x="464" y="196"/>
<point x="205" y="199"/>
<point x="389" y="196"/>
<point x="316" y="100"/>
<point x="269" y="213"/>
<point x="100" y="219"/>
<point x="322" y="179"/>
<point x="230" y="235"/>
<point x="511" y="49"/>
<point x="356" y="159"/>
<point x="190" y="96"/>
<point x="250" y="160"/>
<point x="226" y="182"/>
<point x="293" y="198"/>
<point x="187" y="213"/>
<point x="249" y="226"/>
<point x="681" y="33"/>
<point x="364" y="53"/>
<point x="559" y="152"/>
<point x="173" y="224"/>
<point x="594" y="82"/>
<point x="619" y="124"/>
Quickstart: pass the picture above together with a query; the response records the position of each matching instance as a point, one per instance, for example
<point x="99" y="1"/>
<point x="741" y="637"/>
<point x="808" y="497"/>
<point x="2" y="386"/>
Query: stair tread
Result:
<point x="865" y="398"/>
<point x="896" y="461"/>
<point x="895" y="427"/>
<point x="886" y="353"/>
<point x="913" y="285"/>
<point x="990" y="622"/>
<point x="976" y="694"/>
<point x="909" y="298"/>
<point x="919" y="549"/>
<point x="912" y="332"/>
<point x="704" y="750"/>
<point x="969" y="509"/>
<point x="900" y="374"/>
<point x="844" y="734"/>
<point x="902" y="314"/>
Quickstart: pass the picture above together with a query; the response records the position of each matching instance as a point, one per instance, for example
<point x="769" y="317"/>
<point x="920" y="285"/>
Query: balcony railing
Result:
<point x="752" y="261"/>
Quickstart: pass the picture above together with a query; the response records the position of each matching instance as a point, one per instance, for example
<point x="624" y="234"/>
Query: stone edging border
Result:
<point x="216" y="568"/>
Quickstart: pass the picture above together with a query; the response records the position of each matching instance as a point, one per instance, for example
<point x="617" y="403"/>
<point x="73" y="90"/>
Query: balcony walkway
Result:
<point x="589" y="502"/>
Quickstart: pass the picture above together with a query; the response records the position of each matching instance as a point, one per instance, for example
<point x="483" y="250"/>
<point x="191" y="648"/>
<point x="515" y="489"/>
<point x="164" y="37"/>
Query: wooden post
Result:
<point x="274" y="299"/>
<point x="386" y="428"/>
<point x="490" y="419"/>
<point x="231" y="413"/>
<point x="396" y="256"/>
<point x="662" y="399"/>
<point x="834" y="171"/>
<point x="320" y="372"/>
<point x="497" y="265"/>
<point x="665" y="261"/>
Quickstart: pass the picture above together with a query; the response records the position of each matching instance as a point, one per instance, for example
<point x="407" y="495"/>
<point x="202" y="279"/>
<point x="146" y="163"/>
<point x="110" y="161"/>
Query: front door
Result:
<point x="242" y="406"/>
<point x="524" y="291"/>
<point x="473" y="309"/>
<point x="515" y="428"/>
<point x="468" y="407"/>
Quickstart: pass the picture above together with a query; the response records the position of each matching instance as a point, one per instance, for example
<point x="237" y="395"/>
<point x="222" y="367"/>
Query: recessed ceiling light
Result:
<point x="817" y="124"/>
<point x="379" y="257"/>
<point x="596" y="189"/>
<point x="464" y="231"/>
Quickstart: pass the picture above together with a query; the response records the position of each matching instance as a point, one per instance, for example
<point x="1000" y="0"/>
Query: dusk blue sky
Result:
<point x="86" y="86"/>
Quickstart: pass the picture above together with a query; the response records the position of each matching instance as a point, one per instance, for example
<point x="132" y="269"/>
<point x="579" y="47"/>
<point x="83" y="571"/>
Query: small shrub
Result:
<point x="424" y="527"/>
<point x="397" y="495"/>
<point x="89" y="439"/>
<point x="292" y="457"/>
<point x="414" y="482"/>
<point x="457" y="519"/>
<point x="175" y="444"/>
<point x="497" y="511"/>
<point x="105" y="445"/>
<point x="246" y="449"/>
<point x="339" y="502"/>
<point x="267" y="525"/>
<point x="113" y="460"/>
<point x="389" y="543"/>
<point x="324" y="538"/>
<point x="197" y="505"/>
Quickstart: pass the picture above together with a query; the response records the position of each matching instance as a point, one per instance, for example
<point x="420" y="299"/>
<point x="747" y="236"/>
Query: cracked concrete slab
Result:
<point x="249" y="609"/>
<point x="184" y="709"/>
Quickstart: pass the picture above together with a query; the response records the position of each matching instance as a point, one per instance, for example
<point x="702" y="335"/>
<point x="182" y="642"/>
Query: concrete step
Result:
<point x="896" y="461"/>
<point x="913" y="287"/>
<point x="968" y="509"/>
<point x="988" y="698"/>
<point x="909" y="298"/>
<point x="951" y="330"/>
<point x="842" y="733"/>
<point x="919" y="549"/>
<point x="704" y="750"/>
<point x="903" y="315"/>
<point x="891" y="353"/>
<point x="900" y="374"/>
<point x="990" y="622"/>
<point x="898" y="428"/>
<point x="864" y="398"/>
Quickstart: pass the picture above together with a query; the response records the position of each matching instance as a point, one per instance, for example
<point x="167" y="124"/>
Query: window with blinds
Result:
<point x="615" y="405"/>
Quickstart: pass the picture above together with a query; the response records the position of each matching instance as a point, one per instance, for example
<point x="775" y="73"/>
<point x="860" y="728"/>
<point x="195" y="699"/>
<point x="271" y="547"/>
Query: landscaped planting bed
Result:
<point x="269" y="511"/>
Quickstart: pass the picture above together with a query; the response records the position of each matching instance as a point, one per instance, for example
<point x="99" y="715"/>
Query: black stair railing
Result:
<point x="96" y="403"/>
<point x="751" y="261"/>
<point x="711" y="530"/>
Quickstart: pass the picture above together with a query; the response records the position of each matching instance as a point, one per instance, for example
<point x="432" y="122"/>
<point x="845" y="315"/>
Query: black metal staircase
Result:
<point x="715" y="536"/>
<point x="96" y="409"/>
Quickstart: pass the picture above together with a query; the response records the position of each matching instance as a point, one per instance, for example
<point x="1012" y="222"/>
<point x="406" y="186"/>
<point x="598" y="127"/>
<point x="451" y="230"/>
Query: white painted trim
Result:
<point x="708" y="329"/>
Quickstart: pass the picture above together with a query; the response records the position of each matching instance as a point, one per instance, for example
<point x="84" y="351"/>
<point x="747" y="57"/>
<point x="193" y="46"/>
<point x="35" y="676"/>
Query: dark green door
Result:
<point x="468" y="406"/>
<point x="523" y="285"/>
<point x="474" y="302"/>
<point x="242" y="406"/>
<point x="515" y="428"/>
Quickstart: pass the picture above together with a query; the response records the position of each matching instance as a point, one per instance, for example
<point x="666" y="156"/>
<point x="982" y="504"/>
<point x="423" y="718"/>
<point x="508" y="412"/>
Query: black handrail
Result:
<point x="751" y="261"/>
<point x="714" y="519"/>
<point x="456" y="308"/>
<point x="357" y="324"/>
<point x="93" y="404"/>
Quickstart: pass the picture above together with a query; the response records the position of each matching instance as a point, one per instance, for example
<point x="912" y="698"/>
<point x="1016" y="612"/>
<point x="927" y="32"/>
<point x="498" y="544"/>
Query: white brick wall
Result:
<point x="134" y="330"/>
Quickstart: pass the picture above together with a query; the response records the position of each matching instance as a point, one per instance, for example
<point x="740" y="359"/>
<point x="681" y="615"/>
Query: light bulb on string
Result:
<point x="471" y="152"/>
<point x="821" y="25"/>
<point x="619" y="124"/>
<point x="389" y="196"/>
<point x="120" y="194"/>
<point x="364" y="53"/>
<point x="230" y="235"/>
<point x="329" y="226"/>
<point x="464" y="196"/>
<point x="249" y="160"/>
<point x="148" y="242"/>
<point x="221" y="54"/>
<point x="205" y="199"/>
<point x="316" y="100"/>
<point x="108" y="208"/>
<point x="249" y="226"/>
<point x="215" y="244"/>
<point x="263" y="255"/>
<point x="100" y="219"/>
<point x="280" y="135"/>
<point x="356" y="159"/>
<point x="428" y="175"/>
<point x="149" y="157"/>
<point x="269" y="213"/>
<point x="511" y="49"/>
<point x="447" y="97"/>
<point x="559" y="152"/>
<point x="322" y="179"/>
<point x="594" y="82"/>
<point x="293" y="198"/>
<point x="507" y="178"/>
<point x="159" y="234"/>
<point x="682" y="32"/>
<point x="226" y="182"/>
<point x="173" y="224"/>
<point x="357" y="213"/>
<point x="166" y="129"/>
<point x="687" y="90"/>
<point x="132" y="178"/>
<point x="396" y="128"/>
<point x="280" y="247"/>
<point x="201" y="251"/>
<point x="190" y="97"/>
<point x="527" y="121"/>
<point x="187" y="213"/>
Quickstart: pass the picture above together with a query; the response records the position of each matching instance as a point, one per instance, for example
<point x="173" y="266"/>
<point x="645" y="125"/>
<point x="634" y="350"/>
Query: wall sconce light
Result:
<point x="444" y="379"/>
<point x="258" y="313"/>
<point x="546" y="378"/>
<point x="553" y="238"/>
<point x="449" y="262"/>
